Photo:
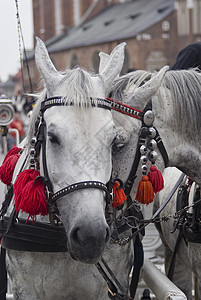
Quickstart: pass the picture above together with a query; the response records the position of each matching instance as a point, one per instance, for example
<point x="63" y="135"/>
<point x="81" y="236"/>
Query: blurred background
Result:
<point x="75" y="31"/>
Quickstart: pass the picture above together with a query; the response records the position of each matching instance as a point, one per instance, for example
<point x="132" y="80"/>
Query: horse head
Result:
<point x="79" y="136"/>
<point x="136" y="90"/>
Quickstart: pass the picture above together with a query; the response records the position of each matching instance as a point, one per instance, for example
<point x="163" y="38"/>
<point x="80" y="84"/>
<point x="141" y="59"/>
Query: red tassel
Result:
<point x="30" y="194"/>
<point x="145" y="192"/>
<point x="8" y="165"/>
<point x="119" y="195"/>
<point x="22" y="179"/>
<point x="12" y="151"/>
<point x="156" y="179"/>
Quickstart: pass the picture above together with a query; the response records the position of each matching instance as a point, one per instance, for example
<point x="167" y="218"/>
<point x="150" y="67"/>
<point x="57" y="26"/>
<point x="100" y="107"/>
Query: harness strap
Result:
<point x="161" y="148"/>
<point x="7" y="201"/>
<point x="138" y="263"/>
<point x="125" y="109"/>
<point x="46" y="176"/>
<point x="3" y="274"/>
<point x="132" y="174"/>
<point x="172" y="264"/>
<point x="112" y="289"/>
<point x="40" y="237"/>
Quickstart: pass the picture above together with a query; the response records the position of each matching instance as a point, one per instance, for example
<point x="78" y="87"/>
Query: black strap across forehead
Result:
<point x="64" y="101"/>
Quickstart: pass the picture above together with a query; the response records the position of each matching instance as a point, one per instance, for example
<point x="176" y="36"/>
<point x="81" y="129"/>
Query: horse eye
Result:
<point x="53" y="138"/>
<point x="116" y="146"/>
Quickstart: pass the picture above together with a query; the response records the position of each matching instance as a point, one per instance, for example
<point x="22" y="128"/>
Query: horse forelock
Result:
<point x="184" y="86"/>
<point x="125" y="85"/>
<point x="78" y="87"/>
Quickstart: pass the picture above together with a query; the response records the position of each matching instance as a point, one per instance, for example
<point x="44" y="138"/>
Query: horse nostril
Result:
<point x="75" y="236"/>
<point x="81" y="236"/>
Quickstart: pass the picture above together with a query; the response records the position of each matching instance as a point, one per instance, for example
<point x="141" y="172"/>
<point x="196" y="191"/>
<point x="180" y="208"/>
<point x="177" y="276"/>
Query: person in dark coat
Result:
<point x="189" y="57"/>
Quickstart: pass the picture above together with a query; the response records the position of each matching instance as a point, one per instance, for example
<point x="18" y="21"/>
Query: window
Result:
<point x="165" y="26"/>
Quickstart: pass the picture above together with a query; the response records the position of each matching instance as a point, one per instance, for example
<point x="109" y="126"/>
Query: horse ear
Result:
<point x="45" y="66"/>
<point x="113" y="64"/>
<point x="143" y="93"/>
<point x="104" y="58"/>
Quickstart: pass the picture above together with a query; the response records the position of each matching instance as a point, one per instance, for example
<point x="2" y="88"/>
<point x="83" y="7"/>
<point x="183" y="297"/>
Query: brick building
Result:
<point x="76" y="30"/>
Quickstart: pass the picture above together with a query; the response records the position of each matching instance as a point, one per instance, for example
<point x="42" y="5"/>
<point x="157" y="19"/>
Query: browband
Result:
<point x="64" y="101"/>
<point x="106" y="103"/>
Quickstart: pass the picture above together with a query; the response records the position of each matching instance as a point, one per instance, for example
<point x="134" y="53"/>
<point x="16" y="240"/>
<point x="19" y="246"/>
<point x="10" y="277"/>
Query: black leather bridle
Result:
<point x="40" y="136"/>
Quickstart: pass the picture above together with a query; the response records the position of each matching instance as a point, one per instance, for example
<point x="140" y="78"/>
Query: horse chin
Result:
<point x="86" y="255"/>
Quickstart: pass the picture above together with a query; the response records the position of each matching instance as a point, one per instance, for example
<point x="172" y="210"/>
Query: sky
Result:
<point x="9" y="41"/>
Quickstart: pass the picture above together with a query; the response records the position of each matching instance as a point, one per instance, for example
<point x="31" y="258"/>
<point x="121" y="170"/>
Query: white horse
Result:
<point x="176" y="105"/>
<point x="79" y="136"/>
<point x="68" y="279"/>
<point x="187" y="260"/>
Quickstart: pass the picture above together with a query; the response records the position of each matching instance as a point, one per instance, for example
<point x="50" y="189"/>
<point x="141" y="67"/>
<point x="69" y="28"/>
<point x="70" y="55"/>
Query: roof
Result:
<point x="120" y="21"/>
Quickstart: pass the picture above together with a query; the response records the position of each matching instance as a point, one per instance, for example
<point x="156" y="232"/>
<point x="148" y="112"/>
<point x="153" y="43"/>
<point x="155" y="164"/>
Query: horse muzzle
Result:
<point x="86" y="243"/>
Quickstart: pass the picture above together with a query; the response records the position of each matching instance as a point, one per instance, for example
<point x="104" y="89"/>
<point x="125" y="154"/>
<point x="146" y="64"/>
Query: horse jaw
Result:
<point x="45" y="66"/>
<point x="144" y="93"/>
<point x="112" y="64"/>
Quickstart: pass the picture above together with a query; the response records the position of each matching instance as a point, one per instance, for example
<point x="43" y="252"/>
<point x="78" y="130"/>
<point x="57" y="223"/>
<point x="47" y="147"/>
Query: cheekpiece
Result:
<point x="148" y="142"/>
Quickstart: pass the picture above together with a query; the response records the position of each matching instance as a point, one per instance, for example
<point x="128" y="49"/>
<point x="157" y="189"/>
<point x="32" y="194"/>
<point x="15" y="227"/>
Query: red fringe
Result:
<point x="145" y="193"/>
<point x="8" y="165"/>
<point x="156" y="179"/>
<point x="12" y="151"/>
<point x="119" y="195"/>
<point x="30" y="194"/>
<point x="22" y="179"/>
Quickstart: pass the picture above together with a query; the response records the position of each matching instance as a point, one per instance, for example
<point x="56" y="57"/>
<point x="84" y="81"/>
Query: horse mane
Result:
<point x="77" y="88"/>
<point x="185" y="90"/>
<point x="125" y="85"/>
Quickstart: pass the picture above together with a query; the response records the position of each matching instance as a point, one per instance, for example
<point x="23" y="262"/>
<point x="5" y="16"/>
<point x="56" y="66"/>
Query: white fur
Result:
<point x="85" y="136"/>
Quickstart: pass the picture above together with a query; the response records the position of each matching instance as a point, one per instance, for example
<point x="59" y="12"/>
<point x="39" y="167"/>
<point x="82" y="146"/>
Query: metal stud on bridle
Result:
<point x="147" y="149"/>
<point x="152" y="182"/>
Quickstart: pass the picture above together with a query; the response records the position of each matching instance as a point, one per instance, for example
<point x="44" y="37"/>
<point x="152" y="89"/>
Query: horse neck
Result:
<point x="184" y="149"/>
